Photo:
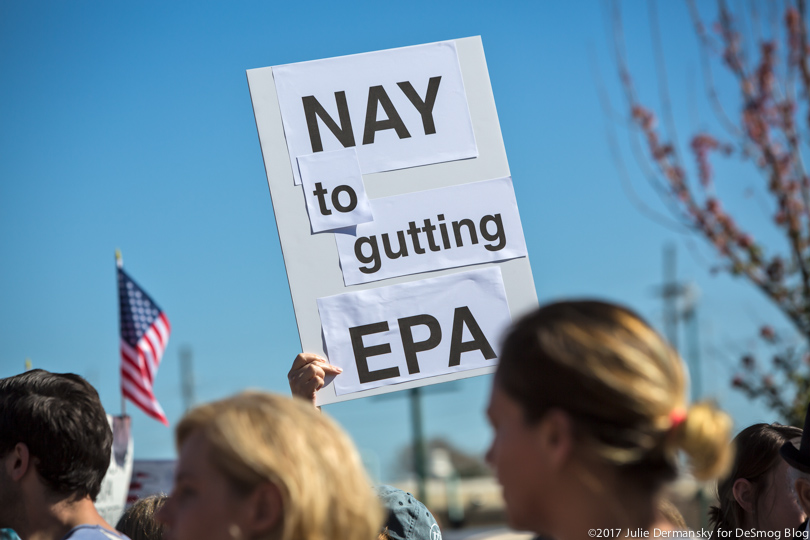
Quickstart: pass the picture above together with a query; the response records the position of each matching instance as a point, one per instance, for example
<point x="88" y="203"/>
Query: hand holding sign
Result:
<point x="308" y="373"/>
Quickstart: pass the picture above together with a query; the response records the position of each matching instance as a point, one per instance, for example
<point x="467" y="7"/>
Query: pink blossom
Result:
<point x="701" y="145"/>
<point x="745" y="241"/>
<point x="645" y="118"/>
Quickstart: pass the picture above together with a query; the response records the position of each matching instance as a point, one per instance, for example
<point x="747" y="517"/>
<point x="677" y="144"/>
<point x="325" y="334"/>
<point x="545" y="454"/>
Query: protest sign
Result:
<point x="112" y="497"/>
<point x="411" y="171"/>
<point x="151" y="477"/>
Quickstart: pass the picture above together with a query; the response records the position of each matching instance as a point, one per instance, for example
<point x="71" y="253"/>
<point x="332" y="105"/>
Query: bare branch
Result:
<point x="661" y="70"/>
<point x="610" y="134"/>
<point x="706" y="47"/>
<point x="633" y="197"/>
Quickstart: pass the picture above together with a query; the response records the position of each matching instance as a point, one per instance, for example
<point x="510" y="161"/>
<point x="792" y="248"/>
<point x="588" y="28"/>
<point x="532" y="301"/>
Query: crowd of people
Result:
<point x="590" y="417"/>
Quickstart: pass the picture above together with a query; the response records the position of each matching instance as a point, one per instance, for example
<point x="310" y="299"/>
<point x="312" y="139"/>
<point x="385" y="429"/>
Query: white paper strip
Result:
<point x="432" y="230"/>
<point x="151" y="477"/>
<point x="415" y="330"/>
<point x="112" y="497"/>
<point x="400" y="108"/>
<point x="334" y="190"/>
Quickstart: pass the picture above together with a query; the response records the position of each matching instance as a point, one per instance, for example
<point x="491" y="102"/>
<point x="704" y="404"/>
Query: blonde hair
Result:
<point x="138" y="521"/>
<point x="257" y="437"/>
<point x="621" y="383"/>
<point x="670" y="514"/>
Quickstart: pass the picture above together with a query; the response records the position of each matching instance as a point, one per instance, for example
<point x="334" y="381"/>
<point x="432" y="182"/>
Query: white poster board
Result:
<point x="112" y="497"/>
<point x="151" y="477"/>
<point x="312" y="260"/>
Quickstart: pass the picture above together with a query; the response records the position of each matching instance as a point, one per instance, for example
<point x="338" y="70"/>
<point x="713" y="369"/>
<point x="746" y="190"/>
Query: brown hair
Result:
<point x="757" y="454"/>
<point x="257" y="437"/>
<point x="620" y="382"/>
<point x="138" y="521"/>
<point x="60" y="418"/>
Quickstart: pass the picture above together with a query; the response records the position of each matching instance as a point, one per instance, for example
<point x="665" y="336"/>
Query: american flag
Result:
<point x="144" y="335"/>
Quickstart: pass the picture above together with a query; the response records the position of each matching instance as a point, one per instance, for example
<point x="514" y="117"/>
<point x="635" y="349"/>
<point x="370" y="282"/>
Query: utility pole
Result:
<point x="186" y="377"/>
<point x="692" y="342"/>
<point x="419" y="454"/>
<point x="672" y="291"/>
<point x="420" y="461"/>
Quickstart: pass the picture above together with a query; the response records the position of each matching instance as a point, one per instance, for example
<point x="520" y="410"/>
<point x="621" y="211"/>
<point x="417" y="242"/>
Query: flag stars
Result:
<point x="138" y="312"/>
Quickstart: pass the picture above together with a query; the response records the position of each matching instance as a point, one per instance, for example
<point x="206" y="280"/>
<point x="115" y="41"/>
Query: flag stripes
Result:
<point x="145" y="333"/>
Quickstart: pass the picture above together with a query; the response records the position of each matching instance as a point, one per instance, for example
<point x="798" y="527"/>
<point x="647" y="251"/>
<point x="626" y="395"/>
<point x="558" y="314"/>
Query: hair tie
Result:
<point x="676" y="417"/>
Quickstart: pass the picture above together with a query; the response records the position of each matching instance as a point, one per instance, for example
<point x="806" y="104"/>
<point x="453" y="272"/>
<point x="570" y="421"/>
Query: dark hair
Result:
<point x="138" y="521"/>
<point x="621" y="384"/>
<point x="757" y="455"/>
<point x="59" y="417"/>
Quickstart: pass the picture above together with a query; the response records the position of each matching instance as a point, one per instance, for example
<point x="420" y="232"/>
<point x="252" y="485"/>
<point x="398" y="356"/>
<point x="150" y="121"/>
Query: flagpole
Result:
<point x="119" y="263"/>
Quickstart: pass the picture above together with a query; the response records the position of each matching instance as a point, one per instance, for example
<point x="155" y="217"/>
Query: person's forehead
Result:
<point x="492" y="401"/>
<point x="193" y="453"/>
<point x="499" y="402"/>
<point x="779" y="476"/>
<point x="781" y="469"/>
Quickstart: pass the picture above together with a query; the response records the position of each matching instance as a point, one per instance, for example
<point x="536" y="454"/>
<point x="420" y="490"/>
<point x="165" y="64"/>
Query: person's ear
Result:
<point x="17" y="462"/>
<point x="802" y="487"/>
<point x="265" y="507"/>
<point x="743" y="492"/>
<point x="555" y="435"/>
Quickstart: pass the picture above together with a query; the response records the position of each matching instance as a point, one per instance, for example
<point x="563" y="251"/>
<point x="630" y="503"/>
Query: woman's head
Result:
<point x="756" y="492"/>
<point x="138" y="521"/>
<point x="260" y="466"/>
<point x="596" y="375"/>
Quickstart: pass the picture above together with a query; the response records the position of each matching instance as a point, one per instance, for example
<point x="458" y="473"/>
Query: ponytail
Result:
<point x="704" y="434"/>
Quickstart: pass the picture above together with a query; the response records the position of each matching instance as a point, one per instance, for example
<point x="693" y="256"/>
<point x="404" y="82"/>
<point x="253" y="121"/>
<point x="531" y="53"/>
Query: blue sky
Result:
<point x="130" y="126"/>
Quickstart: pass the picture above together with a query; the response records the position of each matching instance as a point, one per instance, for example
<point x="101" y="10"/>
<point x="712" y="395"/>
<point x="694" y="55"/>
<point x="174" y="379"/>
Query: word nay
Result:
<point x="462" y="318"/>
<point x="371" y="256"/>
<point x="377" y="97"/>
<point x="399" y="108"/>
